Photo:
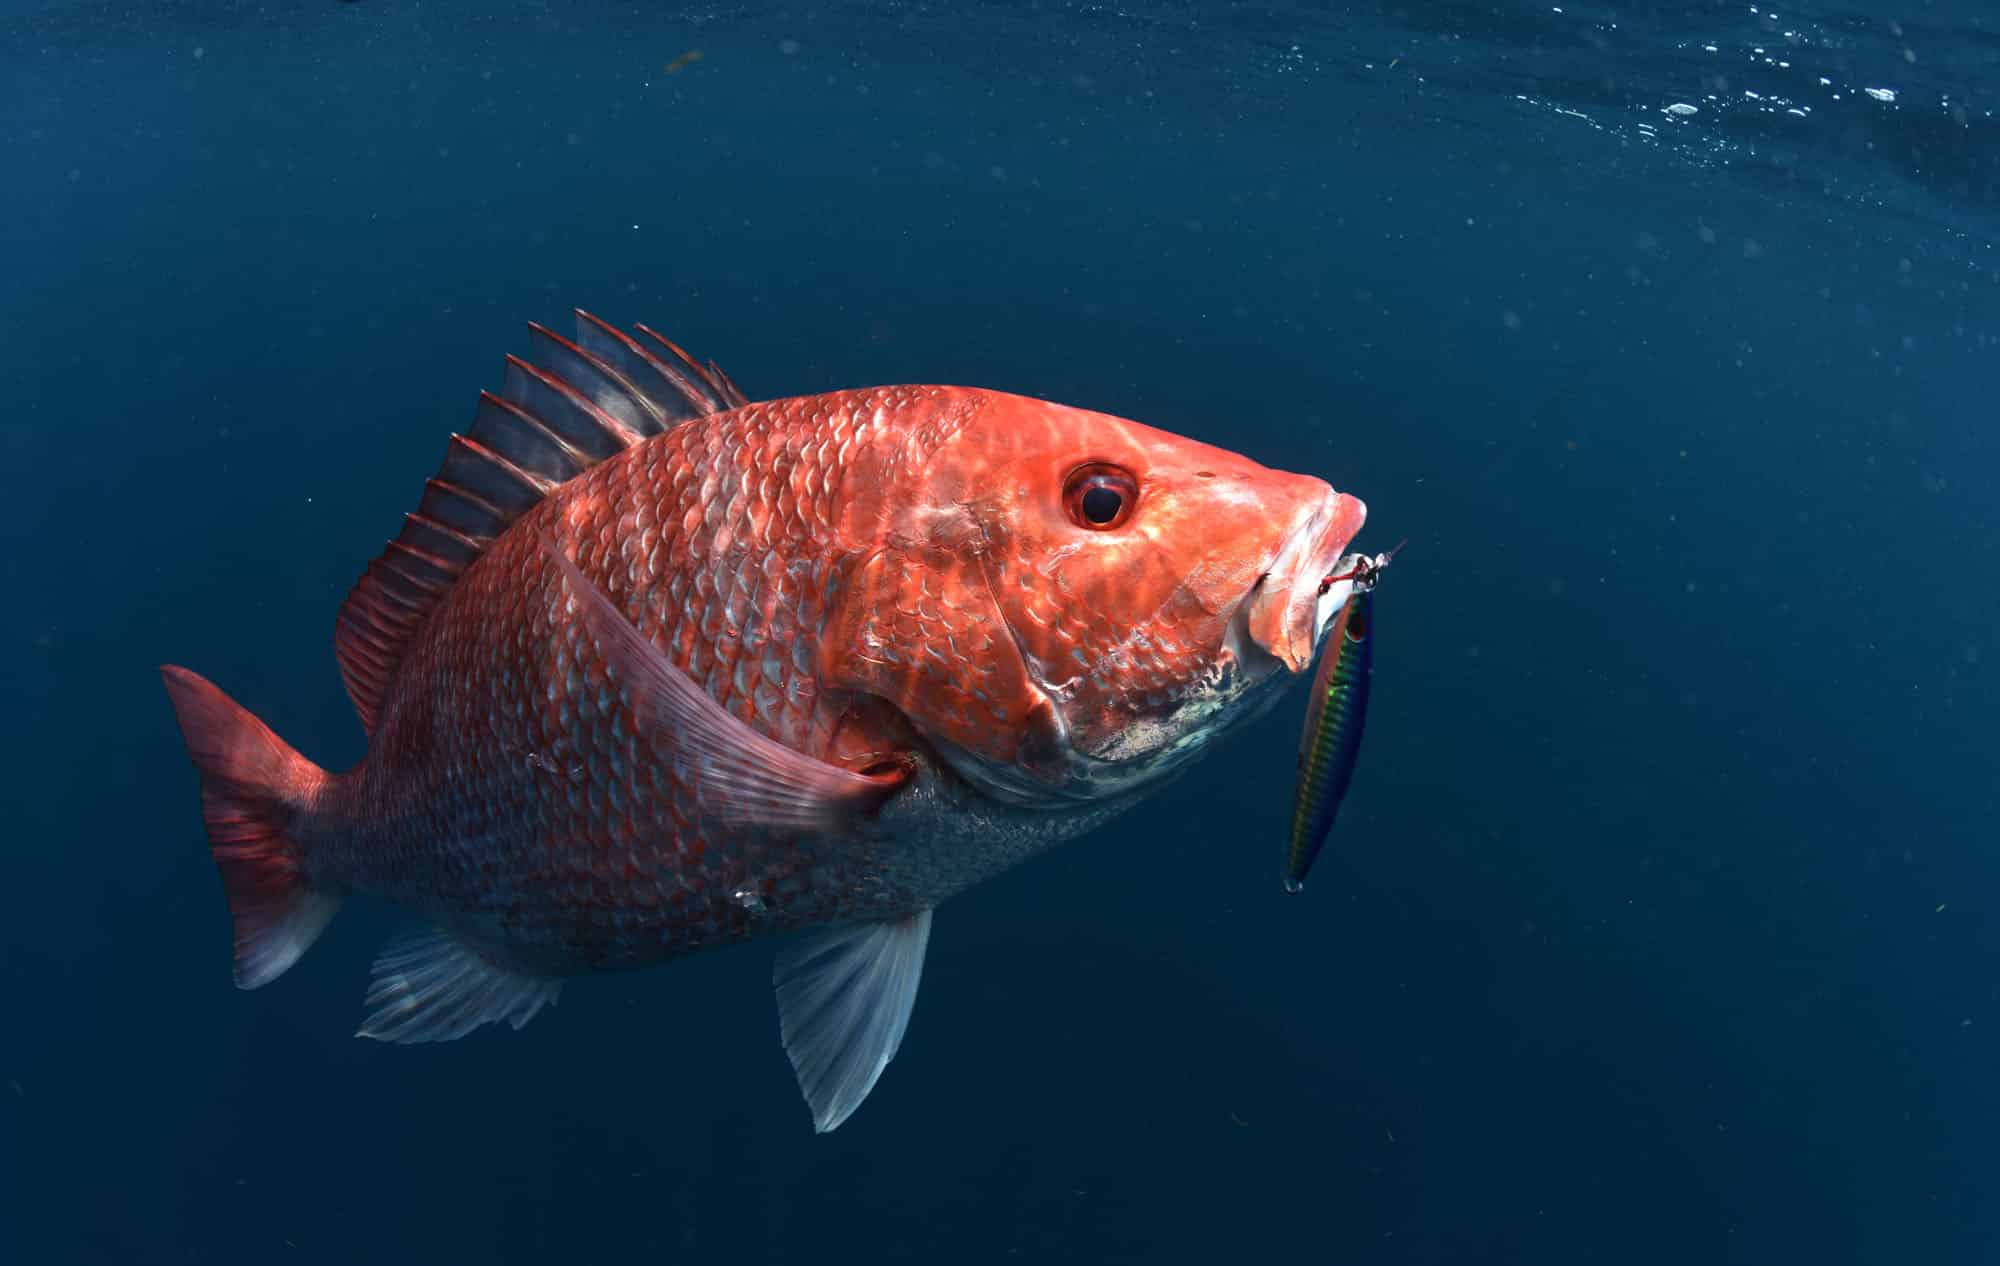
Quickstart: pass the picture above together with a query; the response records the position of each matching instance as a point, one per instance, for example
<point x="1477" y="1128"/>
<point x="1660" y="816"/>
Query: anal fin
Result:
<point x="433" y="988"/>
<point x="844" y="1000"/>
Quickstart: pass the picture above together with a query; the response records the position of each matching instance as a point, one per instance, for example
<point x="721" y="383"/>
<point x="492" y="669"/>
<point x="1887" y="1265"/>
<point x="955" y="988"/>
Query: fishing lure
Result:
<point x="1335" y="714"/>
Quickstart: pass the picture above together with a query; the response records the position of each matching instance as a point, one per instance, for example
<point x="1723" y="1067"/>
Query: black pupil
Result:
<point x="1102" y="504"/>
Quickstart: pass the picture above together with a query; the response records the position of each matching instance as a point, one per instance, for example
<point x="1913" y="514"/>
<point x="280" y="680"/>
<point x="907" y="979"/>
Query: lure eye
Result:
<point x="1100" y="498"/>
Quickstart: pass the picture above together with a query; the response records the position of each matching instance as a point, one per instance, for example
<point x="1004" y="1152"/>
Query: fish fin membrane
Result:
<point x="582" y="402"/>
<point x="432" y="987"/>
<point x="254" y="791"/>
<point x="844" y="1000"/>
<point x="746" y="778"/>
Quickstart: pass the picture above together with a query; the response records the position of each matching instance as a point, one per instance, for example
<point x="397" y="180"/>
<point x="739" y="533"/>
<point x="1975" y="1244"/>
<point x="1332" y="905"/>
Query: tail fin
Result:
<point x="253" y="790"/>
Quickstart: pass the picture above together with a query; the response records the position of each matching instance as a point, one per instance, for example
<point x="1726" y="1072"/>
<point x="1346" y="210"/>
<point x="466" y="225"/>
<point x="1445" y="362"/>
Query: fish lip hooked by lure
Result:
<point x="1360" y="576"/>
<point x="1272" y="625"/>
<point x="1284" y="616"/>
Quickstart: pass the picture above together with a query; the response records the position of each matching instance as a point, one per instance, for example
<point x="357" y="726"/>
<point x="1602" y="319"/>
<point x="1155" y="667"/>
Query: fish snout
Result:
<point x="1283" y="606"/>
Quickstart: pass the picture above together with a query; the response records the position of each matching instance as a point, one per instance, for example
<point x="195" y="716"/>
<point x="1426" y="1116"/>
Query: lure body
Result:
<point x="1335" y="716"/>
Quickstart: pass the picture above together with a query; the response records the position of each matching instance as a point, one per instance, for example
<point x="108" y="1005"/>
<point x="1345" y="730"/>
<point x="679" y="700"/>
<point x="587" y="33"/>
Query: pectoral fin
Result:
<point x="844" y="999"/>
<point x="755" y="780"/>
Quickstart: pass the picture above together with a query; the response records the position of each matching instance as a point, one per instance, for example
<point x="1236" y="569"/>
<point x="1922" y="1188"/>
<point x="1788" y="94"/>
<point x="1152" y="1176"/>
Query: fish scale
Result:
<point x="545" y="689"/>
<point x="654" y="668"/>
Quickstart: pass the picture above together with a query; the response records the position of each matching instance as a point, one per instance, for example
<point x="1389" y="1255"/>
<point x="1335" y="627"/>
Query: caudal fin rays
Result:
<point x="254" y="791"/>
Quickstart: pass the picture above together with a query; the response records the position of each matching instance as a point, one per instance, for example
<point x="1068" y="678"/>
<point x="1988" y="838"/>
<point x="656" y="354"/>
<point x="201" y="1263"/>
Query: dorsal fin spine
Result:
<point x="689" y="376"/>
<point x="541" y="429"/>
<point x="441" y="538"/>
<point x="620" y="393"/>
<point x="605" y="422"/>
<point x="444" y="529"/>
<point x="443" y="496"/>
<point x="586" y="430"/>
<point x="479" y="470"/>
<point x="406" y="555"/>
<point x="642" y="368"/>
<point x="731" y="393"/>
<point x="392" y="595"/>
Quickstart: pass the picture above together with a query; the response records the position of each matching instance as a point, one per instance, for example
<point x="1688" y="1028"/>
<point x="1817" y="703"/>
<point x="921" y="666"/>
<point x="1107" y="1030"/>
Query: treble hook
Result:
<point x="1366" y="570"/>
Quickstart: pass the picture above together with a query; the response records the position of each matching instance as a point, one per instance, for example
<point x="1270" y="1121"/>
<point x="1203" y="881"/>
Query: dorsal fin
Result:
<point x="585" y="401"/>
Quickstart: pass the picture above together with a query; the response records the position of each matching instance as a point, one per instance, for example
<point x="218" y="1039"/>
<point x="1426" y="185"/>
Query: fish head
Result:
<point x="1070" y="606"/>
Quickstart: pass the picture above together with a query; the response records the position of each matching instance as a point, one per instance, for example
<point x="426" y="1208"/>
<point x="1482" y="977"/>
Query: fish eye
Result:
<point x="1100" y="497"/>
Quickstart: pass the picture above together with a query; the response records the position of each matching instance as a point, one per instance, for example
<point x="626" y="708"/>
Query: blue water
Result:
<point x="1660" y="925"/>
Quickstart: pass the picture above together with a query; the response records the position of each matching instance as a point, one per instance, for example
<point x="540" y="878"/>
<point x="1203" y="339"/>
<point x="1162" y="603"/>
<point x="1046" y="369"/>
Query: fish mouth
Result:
<point x="1277" y="622"/>
<point x="1286" y="612"/>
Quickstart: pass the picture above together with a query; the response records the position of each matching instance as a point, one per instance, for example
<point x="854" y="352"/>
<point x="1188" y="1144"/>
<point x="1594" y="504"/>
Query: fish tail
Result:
<point x="255" y="792"/>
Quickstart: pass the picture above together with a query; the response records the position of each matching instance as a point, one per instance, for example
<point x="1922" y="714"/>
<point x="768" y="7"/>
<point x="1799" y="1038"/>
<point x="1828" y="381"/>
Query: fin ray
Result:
<point x="564" y="409"/>
<point x="505" y="427"/>
<point x="253" y="789"/>
<point x="694" y="381"/>
<point x="844" y="1002"/>
<point x="670" y="394"/>
<point x="597" y="383"/>
<point x="433" y="988"/>
<point x="592" y="400"/>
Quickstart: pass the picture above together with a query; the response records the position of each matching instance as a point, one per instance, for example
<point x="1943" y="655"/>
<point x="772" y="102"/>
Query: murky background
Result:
<point x="1660" y="924"/>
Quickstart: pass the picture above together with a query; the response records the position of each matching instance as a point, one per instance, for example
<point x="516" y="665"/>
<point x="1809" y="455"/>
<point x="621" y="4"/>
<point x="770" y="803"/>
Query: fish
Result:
<point x="1336" y="710"/>
<point x="655" y="668"/>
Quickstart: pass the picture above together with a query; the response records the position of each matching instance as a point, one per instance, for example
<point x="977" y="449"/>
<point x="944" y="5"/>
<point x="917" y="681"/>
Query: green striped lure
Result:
<point x="1336" y="712"/>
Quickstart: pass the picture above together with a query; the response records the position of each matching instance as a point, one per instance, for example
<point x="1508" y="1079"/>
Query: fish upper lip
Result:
<point x="1282" y="619"/>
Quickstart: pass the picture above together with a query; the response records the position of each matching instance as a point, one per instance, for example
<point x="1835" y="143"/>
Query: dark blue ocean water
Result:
<point x="1661" y="924"/>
